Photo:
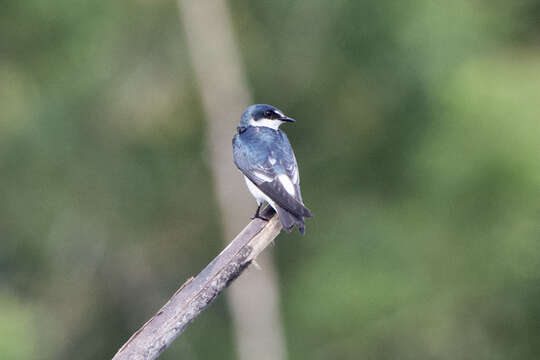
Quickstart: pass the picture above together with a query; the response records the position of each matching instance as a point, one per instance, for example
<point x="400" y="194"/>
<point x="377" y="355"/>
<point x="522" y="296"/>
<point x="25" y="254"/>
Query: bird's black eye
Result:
<point x="268" y="114"/>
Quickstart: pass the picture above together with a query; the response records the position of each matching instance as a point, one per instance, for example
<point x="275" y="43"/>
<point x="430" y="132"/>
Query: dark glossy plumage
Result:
<point x="262" y="154"/>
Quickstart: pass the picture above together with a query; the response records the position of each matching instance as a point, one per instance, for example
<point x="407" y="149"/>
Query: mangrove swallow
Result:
<point x="264" y="155"/>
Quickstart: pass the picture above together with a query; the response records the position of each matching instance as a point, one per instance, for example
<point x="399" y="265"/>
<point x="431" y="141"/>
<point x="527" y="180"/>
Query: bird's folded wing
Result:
<point x="264" y="174"/>
<point x="277" y="192"/>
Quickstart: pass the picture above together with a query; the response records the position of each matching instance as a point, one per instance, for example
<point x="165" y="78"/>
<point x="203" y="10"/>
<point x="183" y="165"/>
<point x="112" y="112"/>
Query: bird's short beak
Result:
<point x="287" y="119"/>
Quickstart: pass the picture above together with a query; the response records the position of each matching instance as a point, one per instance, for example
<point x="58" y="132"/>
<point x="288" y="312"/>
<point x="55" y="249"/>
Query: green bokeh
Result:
<point x="417" y="137"/>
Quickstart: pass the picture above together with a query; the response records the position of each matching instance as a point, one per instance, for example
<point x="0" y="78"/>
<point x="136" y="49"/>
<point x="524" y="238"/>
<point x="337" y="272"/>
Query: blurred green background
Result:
<point x="418" y="141"/>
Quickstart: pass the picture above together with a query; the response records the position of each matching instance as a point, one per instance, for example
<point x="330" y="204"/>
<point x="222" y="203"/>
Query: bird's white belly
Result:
<point x="258" y="194"/>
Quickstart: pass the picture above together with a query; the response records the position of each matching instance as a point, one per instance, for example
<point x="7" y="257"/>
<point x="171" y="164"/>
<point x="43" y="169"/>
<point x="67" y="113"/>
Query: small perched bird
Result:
<point x="264" y="155"/>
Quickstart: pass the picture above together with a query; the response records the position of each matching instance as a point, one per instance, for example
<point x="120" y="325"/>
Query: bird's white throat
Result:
<point x="270" y="123"/>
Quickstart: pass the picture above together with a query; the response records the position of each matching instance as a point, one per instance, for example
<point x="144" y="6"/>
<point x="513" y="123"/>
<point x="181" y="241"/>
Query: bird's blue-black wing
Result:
<point x="262" y="158"/>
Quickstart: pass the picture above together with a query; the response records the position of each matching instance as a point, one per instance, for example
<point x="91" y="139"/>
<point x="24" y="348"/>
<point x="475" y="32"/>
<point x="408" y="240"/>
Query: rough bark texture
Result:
<point x="197" y="293"/>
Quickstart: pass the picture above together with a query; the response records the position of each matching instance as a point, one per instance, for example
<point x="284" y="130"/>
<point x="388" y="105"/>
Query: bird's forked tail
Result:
<point x="288" y="220"/>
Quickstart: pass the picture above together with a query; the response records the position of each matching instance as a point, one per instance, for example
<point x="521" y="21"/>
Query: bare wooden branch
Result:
<point x="197" y="293"/>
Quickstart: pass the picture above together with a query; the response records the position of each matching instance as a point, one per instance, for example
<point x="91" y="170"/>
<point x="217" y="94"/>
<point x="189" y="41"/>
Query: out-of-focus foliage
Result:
<point x="417" y="137"/>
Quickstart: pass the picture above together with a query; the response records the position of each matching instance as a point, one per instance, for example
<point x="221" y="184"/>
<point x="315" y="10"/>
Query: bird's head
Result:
<point x="262" y="115"/>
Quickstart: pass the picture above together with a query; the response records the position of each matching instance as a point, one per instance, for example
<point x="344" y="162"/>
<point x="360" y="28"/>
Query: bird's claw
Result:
<point x="257" y="216"/>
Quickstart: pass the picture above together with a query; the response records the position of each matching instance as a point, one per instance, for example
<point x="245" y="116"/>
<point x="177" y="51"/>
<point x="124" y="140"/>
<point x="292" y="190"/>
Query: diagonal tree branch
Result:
<point x="197" y="293"/>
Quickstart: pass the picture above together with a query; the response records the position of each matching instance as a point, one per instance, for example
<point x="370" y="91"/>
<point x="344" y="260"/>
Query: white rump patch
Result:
<point x="287" y="184"/>
<point x="272" y="124"/>
<point x="262" y="177"/>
